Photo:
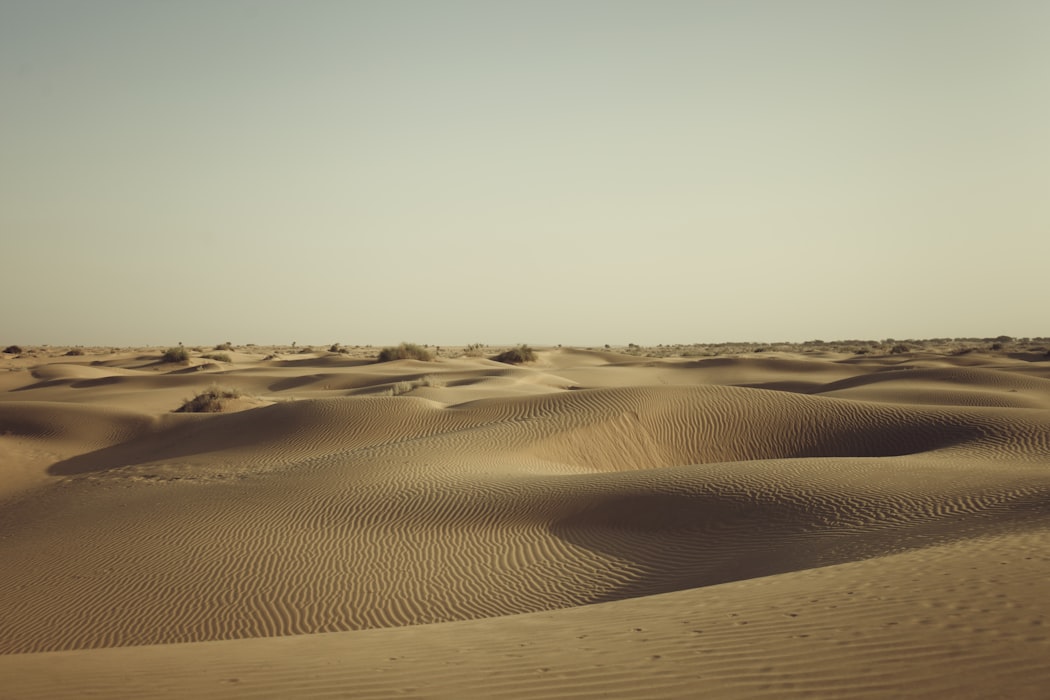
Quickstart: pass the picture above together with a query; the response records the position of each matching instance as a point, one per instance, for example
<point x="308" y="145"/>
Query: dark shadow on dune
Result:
<point x="691" y="541"/>
<point x="195" y="434"/>
<point x="299" y="382"/>
<point x="174" y="443"/>
<point x="966" y="377"/>
<point x="322" y="362"/>
<point x="102" y="381"/>
<point x="45" y="383"/>
<point x="790" y="387"/>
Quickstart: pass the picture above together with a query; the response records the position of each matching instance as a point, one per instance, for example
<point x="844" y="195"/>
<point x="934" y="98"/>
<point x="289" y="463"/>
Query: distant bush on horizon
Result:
<point x="405" y="351"/>
<point x="217" y="356"/>
<point x="516" y="356"/>
<point x="13" y="350"/>
<point x="176" y="354"/>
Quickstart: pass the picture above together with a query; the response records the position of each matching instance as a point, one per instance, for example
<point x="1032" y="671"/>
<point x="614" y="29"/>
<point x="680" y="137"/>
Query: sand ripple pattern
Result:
<point x="492" y="492"/>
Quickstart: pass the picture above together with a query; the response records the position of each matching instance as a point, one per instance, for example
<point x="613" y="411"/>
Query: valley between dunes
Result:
<point x="591" y="524"/>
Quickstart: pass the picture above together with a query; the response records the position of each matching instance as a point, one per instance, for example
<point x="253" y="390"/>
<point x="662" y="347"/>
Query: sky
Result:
<point x="573" y="171"/>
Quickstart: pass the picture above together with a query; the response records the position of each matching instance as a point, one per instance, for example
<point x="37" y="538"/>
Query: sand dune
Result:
<point x="591" y="524"/>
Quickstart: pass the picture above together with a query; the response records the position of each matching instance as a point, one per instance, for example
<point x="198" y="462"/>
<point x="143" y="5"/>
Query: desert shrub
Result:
<point x="405" y="351"/>
<point x="217" y="356"/>
<point x="516" y="356"/>
<point x="899" y="349"/>
<point x="209" y="401"/>
<point x="224" y="346"/>
<point x="13" y="350"/>
<point x="336" y="347"/>
<point x="305" y="350"/>
<point x="404" y="387"/>
<point x="997" y="346"/>
<point x="73" y="352"/>
<point x="176" y="354"/>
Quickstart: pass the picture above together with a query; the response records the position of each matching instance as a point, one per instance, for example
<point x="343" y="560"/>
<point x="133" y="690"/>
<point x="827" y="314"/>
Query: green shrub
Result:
<point x="176" y="354"/>
<point x="405" y="351"/>
<point x="217" y="356"/>
<point x="209" y="401"/>
<point x="516" y="356"/>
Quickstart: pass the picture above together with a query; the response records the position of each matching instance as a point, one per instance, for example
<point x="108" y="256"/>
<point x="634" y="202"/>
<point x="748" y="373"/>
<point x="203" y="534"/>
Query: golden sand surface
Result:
<point x="811" y="521"/>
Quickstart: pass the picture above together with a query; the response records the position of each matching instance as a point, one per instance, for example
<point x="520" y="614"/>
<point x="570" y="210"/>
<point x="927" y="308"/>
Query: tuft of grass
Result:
<point x="210" y="400"/>
<point x="405" y="351"/>
<point x="517" y="356"/>
<point x="404" y="387"/>
<point x="217" y="356"/>
<point x="176" y="354"/>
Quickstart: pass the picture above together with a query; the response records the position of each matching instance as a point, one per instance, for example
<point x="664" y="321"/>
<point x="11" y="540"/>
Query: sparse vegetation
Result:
<point x="210" y="400"/>
<point x="405" y="351"/>
<point x="336" y="347"/>
<point x="73" y="352"/>
<point x="517" y="356"/>
<point x="176" y="354"/>
<point x="899" y="349"/>
<point x="406" y="386"/>
<point x="224" y="346"/>
<point x="217" y="356"/>
<point x="13" y="350"/>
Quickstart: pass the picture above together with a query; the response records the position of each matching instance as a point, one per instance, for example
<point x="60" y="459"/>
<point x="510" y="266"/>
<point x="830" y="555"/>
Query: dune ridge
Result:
<point x="541" y="505"/>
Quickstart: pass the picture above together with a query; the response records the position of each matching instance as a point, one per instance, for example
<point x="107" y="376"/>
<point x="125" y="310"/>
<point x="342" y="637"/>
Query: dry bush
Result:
<point x="176" y="354"/>
<point x="516" y="356"/>
<point x="405" y="351"/>
<point x="210" y="400"/>
<point x="217" y="356"/>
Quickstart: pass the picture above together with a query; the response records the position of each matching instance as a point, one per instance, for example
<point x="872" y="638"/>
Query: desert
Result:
<point x="840" y="519"/>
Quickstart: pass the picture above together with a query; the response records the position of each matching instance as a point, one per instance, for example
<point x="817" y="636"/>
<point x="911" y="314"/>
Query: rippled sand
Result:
<point x="591" y="524"/>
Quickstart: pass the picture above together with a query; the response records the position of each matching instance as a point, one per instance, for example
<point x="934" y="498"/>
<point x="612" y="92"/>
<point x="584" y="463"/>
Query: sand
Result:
<point x="810" y="523"/>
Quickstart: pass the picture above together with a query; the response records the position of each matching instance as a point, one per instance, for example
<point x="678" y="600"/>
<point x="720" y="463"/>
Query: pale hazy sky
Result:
<point x="576" y="172"/>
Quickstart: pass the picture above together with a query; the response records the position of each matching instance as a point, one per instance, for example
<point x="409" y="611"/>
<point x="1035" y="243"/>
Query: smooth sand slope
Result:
<point x="587" y="525"/>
